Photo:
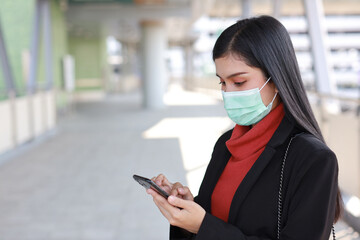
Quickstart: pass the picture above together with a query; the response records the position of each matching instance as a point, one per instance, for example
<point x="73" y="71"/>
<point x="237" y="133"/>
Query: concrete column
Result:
<point x="154" y="44"/>
<point x="277" y="8"/>
<point x="189" y="73"/>
<point x="246" y="8"/>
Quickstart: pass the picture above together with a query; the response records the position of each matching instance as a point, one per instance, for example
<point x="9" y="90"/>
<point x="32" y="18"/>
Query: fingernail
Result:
<point x="171" y="199"/>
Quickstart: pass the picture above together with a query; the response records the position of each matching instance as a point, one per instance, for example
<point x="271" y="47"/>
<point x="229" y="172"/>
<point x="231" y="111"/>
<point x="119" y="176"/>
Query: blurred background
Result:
<point x="94" y="91"/>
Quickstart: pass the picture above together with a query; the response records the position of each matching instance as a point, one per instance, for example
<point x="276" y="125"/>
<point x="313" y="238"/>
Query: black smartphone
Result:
<point x="148" y="183"/>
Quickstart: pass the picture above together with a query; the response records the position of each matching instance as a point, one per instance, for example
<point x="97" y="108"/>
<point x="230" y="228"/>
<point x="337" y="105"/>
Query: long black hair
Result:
<point x="263" y="42"/>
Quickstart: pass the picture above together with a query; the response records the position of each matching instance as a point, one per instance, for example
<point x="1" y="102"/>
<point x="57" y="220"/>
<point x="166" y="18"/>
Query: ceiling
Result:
<point x="121" y="18"/>
<point x="136" y="2"/>
<point x="100" y="1"/>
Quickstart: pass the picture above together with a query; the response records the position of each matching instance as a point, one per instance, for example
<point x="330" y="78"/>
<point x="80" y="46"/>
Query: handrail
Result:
<point x="337" y="97"/>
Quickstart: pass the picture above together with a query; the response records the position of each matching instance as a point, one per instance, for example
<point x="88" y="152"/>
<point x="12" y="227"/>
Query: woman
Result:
<point x="239" y="196"/>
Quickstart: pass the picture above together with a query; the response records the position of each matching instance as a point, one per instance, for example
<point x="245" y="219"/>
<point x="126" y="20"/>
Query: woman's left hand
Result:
<point x="179" y="212"/>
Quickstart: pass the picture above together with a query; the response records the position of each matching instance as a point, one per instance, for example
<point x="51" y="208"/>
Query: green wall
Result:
<point x="17" y="23"/>
<point x="17" y="19"/>
<point x="86" y="53"/>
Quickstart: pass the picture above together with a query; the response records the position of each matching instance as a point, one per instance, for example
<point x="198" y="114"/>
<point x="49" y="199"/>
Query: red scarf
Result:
<point x="245" y="145"/>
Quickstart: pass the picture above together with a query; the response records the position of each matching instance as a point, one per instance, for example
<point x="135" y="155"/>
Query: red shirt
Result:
<point x="245" y="145"/>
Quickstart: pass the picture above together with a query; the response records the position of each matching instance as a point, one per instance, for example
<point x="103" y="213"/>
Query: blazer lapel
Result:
<point x="281" y="134"/>
<point x="217" y="165"/>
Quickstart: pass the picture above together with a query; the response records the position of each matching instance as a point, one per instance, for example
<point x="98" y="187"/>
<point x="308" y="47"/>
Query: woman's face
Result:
<point x="236" y="75"/>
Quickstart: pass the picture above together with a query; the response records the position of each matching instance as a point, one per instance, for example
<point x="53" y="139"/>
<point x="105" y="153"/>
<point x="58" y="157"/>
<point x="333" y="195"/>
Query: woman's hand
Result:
<point x="189" y="217"/>
<point x="176" y="189"/>
<point x="179" y="209"/>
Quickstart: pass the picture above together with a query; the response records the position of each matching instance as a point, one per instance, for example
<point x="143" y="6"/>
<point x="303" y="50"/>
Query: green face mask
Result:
<point x="246" y="108"/>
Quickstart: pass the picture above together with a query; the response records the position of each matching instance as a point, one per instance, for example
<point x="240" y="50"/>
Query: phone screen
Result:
<point x="148" y="183"/>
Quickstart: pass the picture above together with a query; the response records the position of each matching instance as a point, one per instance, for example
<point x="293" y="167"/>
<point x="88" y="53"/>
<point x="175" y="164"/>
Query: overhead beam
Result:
<point x="148" y="2"/>
<point x="106" y="12"/>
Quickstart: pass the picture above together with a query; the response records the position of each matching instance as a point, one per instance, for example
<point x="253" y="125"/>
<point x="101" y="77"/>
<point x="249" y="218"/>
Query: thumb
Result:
<point x="178" y="202"/>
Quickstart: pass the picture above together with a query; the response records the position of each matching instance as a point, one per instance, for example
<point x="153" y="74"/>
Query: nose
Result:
<point x="228" y="88"/>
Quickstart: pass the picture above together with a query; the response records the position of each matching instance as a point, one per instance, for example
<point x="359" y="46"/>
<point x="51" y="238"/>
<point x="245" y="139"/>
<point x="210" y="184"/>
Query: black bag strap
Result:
<point x="280" y="193"/>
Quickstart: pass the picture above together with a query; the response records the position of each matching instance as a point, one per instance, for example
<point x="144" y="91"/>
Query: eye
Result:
<point x="239" y="83"/>
<point x="222" y="83"/>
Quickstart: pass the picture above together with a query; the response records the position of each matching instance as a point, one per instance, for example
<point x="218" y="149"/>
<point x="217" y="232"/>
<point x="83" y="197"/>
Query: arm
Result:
<point x="313" y="199"/>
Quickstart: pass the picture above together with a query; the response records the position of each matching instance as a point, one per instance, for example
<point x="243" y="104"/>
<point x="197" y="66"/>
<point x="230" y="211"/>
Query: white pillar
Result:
<point x="189" y="73"/>
<point x="154" y="44"/>
<point x="277" y="8"/>
<point x="325" y="82"/>
<point x="246" y="8"/>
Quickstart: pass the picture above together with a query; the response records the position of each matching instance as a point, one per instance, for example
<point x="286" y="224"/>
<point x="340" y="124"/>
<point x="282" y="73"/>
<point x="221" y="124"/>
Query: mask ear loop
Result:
<point x="274" y="98"/>
<point x="265" y="83"/>
<point x="272" y="101"/>
<point x="275" y="92"/>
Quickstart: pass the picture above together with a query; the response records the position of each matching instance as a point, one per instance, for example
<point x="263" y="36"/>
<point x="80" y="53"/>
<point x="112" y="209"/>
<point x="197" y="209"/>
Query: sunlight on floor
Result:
<point x="197" y="137"/>
<point x="177" y="96"/>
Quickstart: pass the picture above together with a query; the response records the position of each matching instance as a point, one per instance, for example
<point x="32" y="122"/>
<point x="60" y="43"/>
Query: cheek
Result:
<point x="267" y="96"/>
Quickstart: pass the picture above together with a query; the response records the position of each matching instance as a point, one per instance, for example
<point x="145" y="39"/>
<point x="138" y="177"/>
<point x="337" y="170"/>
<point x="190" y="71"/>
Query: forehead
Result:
<point x="228" y="65"/>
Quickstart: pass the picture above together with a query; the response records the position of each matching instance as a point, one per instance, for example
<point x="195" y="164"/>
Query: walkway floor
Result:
<point x="77" y="183"/>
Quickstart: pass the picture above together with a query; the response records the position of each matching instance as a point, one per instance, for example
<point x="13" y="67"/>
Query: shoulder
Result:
<point x="224" y="137"/>
<point x="309" y="144"/>
<point x="310" y="152"/>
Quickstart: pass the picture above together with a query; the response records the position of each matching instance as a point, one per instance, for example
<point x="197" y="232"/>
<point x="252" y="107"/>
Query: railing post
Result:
<point x="46" y="24"/>
<point x="10" y="86"/>
<point x="34" y="52"/>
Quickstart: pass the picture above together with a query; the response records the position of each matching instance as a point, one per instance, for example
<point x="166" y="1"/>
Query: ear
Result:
<point x="272" y="83"/>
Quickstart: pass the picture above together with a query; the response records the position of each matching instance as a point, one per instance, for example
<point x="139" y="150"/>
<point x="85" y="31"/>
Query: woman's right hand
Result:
<point x="179" y="209"/>
<point x="176" y="189"/>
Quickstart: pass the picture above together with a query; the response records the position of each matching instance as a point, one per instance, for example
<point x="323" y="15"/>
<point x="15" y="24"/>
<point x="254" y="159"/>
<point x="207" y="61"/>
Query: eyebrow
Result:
<point x="233" y="75"/>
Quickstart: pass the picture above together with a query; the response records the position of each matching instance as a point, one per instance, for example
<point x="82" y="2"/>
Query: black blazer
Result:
<point x="309" y="191"/>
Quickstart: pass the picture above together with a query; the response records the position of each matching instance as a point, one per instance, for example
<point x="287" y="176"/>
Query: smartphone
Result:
<point x="148" y="183"/>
